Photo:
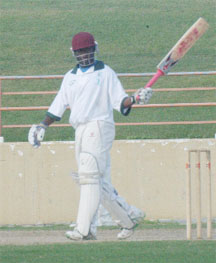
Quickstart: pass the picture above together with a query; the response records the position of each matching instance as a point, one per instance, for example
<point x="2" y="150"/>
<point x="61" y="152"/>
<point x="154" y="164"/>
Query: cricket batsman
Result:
<point x="92" y="91"/>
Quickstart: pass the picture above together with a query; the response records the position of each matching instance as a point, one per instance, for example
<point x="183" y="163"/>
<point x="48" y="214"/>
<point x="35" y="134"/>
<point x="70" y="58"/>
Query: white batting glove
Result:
<point x="36" y="134"/>
<point x="143" y="95"/>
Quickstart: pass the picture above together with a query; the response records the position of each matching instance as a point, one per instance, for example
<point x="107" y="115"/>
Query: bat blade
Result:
<point x="180" y="49"/>
<point x="183" y="45"/>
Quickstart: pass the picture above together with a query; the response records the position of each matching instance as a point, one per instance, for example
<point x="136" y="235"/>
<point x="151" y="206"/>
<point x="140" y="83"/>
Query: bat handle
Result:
<point x="156" y="76"/>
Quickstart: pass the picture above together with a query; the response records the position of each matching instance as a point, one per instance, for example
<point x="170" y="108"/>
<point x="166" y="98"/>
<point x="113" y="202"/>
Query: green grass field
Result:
<point x="133" y="37"/>
<point x="116" y="252"/>
<point x="145" y="224"/>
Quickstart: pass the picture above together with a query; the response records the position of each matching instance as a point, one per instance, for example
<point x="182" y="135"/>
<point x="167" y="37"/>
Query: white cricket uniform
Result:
<point x="91" y="97"/>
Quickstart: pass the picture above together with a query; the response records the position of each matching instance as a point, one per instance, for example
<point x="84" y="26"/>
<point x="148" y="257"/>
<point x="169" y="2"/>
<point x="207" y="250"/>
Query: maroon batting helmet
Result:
<point x="82" y="40"/>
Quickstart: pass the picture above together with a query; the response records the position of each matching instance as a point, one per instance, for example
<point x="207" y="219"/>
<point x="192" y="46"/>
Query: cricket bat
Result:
<point x="180" y="49"/>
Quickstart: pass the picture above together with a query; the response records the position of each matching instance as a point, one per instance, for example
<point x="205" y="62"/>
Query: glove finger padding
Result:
<point x="143" y="95"/>
<point x="36" y="135"/>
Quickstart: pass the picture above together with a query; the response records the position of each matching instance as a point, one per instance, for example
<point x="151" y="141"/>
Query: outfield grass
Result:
<point x="145" y="224"/>
<point x="133" y="36"/>
<point x="113" y="252"/>
<point x="142" y="225"/>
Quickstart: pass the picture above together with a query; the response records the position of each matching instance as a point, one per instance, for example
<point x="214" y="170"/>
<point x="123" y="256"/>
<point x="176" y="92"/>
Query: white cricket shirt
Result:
<point x="90" y="95"/>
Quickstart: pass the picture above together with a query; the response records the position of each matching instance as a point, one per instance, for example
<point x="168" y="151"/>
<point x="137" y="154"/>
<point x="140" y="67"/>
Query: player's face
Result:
<point x="85" y="56"/>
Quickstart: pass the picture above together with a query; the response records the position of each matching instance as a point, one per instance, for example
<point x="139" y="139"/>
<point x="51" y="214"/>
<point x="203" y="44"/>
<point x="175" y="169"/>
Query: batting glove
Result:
<point x="142" y="96"/>
<point x="36" y="134"/>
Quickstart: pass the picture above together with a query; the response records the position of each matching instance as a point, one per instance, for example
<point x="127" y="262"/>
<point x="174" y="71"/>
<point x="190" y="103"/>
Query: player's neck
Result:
<point x="84" y="69"/>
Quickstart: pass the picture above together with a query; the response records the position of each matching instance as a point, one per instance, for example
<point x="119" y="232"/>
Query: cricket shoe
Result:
<point x="136" y="215"/>
<point x="125" y="233"/>
<point x="74" y="235"/>
<point x="77" y="236"/>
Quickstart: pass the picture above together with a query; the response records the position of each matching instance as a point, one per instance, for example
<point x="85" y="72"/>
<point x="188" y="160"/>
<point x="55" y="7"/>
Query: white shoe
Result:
<point x="74" y="235"/>
<point x="125" y="233"/>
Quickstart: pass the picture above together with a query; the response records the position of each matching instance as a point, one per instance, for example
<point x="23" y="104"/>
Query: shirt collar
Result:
<point x="97" y="66"/>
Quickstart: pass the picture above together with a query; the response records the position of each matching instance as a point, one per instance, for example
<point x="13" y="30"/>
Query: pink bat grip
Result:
<point x="157" y="75"/>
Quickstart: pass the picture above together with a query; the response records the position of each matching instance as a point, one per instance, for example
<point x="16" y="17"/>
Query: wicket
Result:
<point x="198" y="194"/>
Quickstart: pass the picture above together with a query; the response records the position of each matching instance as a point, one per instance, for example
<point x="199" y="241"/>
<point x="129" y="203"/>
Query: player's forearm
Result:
<point x="141" y="96"/>
<point x="128" y="102"/>
<point x="48" y="121"/>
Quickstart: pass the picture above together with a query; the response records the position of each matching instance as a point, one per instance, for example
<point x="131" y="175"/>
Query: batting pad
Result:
<point x="116" y="206"/>
<point x="88" y="205"/>
<point x="88" y="169"/>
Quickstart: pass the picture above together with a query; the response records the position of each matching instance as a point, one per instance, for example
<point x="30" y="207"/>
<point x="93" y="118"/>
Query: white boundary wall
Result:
<point x="36" y="186"/>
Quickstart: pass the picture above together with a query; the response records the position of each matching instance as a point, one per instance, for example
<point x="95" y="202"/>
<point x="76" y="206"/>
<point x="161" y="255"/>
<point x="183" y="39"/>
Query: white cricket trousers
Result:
<point x="93" y="141"/>
<point x="93" y="144"/>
